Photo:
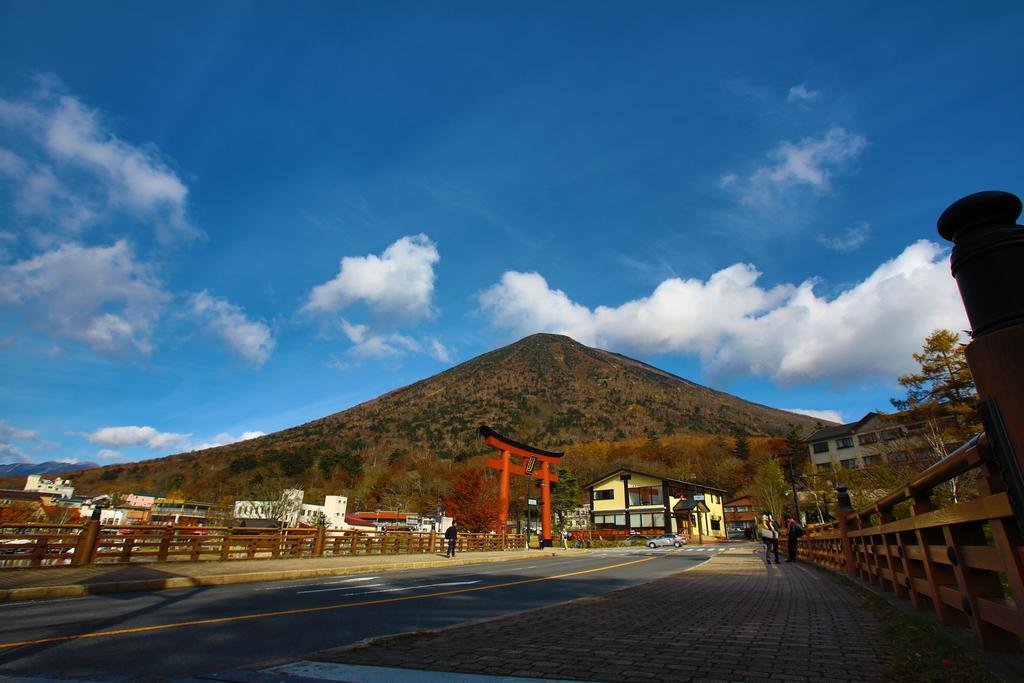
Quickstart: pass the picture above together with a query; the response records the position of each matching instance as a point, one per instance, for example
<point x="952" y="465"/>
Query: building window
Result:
<point x="646" y="520"/>
<point x="872" y="460"/>
<point x="729" y="509"/>
<point x="716" y="525"/>
<point x="824" y="466"/>
<point x="742" y="508"/>
<point x="646" y="495"/>
<point x="849" y="463"/>
<point x="610" y="521"/>
<point x="898" y="456"/>
<point x="845" y="442"/>
<point x="890" y="434"/>
<point x="870" y="437"/>
<point x="604" y="494"/>
<point x="821" y="447"/>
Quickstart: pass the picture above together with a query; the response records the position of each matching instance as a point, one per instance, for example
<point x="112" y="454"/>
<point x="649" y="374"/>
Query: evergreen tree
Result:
<point x="565" y="494"/>
<point x="741" y="449"/>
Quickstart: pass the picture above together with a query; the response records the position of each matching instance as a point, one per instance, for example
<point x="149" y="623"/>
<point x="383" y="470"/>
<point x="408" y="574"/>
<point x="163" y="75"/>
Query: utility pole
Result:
<point x="792" y="481"/>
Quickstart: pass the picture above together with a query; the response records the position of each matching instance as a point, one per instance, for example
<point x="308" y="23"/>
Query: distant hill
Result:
<point x="23" y="469"/>
<point x="545" y="389"/>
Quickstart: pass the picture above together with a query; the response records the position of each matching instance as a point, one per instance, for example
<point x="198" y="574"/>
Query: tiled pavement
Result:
<point x="730" y="619"/>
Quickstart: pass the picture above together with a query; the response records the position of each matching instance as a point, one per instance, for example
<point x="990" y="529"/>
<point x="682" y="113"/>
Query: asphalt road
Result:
<point x="171" y="634"/>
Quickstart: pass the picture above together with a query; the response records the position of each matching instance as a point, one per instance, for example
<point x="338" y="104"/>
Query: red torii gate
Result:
<point x="527" y="466"/>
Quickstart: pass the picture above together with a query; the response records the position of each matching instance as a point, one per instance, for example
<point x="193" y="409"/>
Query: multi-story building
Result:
<point x="182" y="511"/>
<point x="740" y="518"/>
<point x="871" y="440"/>
<point x="57" y="486"/>
<point x="290" y="511"/>
<point x="627" y="502"/>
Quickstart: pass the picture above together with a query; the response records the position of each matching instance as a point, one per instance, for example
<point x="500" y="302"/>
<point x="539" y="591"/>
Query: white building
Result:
<point x="58" y="486"/>
<point x="290" y="510"/>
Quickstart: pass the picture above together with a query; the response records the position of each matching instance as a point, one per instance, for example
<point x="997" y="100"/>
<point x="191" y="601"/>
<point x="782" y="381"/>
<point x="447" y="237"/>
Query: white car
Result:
<point x="666" y="539"/>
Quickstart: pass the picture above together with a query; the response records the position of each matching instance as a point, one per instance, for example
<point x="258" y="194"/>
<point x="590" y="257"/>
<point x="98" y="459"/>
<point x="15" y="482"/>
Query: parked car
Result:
<point x="634" y="539"/>
<point x="666" y="539"/>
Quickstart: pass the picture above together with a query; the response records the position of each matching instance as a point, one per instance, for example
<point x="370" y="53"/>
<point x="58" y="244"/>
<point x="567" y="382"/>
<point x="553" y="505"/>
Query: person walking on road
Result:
<point x="451" y="534"/>
<point x="770" y="536"/>
<point x="566" y="535"/>
<point x="795" y="531"/>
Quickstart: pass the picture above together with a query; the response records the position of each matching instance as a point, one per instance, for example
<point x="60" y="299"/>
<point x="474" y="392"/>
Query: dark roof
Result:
<point x="841" y="430"/>
<point x="687" y="505"/>
<point x="259" y="523"/>
<point x="653" y="476"/>
<point x="19" y="494"/>
<point x="486" y="431"/>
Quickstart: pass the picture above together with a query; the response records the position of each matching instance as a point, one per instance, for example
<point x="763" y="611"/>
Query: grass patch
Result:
<point x="917" y="650"/>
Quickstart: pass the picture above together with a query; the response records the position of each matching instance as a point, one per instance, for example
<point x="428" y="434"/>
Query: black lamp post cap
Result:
<point x="980" y="208"/>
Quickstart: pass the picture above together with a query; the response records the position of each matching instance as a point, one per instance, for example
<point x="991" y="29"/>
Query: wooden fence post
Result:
<point x="85" y="549"/>
<point x="318" y="542"/>
<point x="848" y="560"/>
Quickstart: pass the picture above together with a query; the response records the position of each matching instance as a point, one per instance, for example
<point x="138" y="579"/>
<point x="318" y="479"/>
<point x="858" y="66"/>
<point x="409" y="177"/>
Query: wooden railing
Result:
<point x="964" y="562"/>
<point x="46" y="545"/>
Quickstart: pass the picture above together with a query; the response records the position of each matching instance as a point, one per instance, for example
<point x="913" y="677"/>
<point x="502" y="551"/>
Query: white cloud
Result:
<point x="136" y="436"/>
<point x="369" y="344"/>
<point x="801" y="93"/>
<point x="224" y="438"/>
<point x="829" y="415"/>
<point x="100" y="296"/>
<point x="9" y="431"/>
<point x="736" y="327"/>
<point x="808" y="165"/>
<point x="399" y="282"/>
<point x="84" y="170"/>
<point x="249" y="338"/>
<point x="440" y="351"/>
<point x="10" y="163"/>
<point x="10" y="454"/>
<point x="108" y="454"/>
<point x="851" y="240"/>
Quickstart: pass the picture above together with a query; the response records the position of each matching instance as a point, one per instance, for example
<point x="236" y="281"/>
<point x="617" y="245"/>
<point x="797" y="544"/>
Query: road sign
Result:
<point x="698" y="496"/>
<point x="531" y="501"/>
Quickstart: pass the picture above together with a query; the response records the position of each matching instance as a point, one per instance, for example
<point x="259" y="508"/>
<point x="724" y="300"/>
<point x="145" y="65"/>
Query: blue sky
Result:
<point x="219" y="220"/>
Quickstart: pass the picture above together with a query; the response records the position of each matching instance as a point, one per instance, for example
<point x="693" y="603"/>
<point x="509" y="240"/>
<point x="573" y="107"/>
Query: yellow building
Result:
<point x="627" y="502"/>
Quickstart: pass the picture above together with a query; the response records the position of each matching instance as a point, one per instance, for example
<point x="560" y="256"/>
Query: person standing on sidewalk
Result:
<point x="795" y="531"/>
<point x="770" y="536"/>
<point x="451" y="535"/>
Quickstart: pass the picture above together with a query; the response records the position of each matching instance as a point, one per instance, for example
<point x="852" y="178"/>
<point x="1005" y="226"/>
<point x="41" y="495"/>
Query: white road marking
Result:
<point x="328" y="583"/>
<point x="387" y="590"/>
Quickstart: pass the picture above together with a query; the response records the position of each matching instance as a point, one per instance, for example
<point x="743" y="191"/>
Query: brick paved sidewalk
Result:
<point x="731" y="619"/>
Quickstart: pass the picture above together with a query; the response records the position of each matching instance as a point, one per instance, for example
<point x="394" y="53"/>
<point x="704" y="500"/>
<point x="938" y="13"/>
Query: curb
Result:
<point x="80" y="590"/>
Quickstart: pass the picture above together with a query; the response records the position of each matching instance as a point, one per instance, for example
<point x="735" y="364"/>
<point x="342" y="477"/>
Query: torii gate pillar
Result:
<point x="528" y="458"/>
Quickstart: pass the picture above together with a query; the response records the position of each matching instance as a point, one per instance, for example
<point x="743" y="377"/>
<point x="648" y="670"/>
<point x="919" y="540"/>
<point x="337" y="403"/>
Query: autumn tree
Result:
<point x="473" y="504"/>
<point x="941" y="399"/>
<point x="769" y="489"/>
<point x="942" y="391"/>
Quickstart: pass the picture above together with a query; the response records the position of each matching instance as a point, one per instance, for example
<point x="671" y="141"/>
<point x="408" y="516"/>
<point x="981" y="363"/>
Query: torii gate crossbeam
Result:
<point x="528" y="458"/>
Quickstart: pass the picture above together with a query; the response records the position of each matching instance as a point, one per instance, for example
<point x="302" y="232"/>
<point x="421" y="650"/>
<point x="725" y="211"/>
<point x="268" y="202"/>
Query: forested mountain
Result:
<point x="546" y="389"/>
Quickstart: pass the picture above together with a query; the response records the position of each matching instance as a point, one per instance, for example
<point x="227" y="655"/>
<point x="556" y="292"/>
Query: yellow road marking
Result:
<point x="307" y="610"/>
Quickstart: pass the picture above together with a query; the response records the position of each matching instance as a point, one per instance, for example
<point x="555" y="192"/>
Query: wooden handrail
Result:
<point x="963" y="459"/>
